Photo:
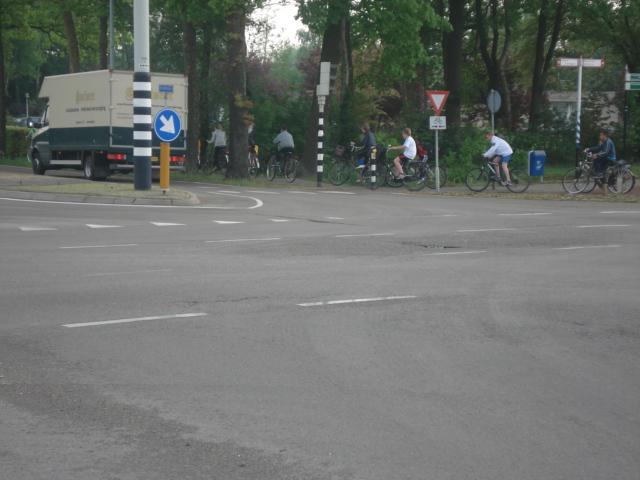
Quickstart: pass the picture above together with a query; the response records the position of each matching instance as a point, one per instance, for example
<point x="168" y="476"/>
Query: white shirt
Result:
<point x="498" y="147"/>
<point x="410" y="148"/>
<point x="218" y="138"/>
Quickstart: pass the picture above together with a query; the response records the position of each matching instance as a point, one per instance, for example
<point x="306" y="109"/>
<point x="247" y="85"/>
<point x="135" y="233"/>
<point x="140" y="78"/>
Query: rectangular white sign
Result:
<point x="437" y="123"/>
<point x="586" y="62"/>
<point x="632" y="77"/>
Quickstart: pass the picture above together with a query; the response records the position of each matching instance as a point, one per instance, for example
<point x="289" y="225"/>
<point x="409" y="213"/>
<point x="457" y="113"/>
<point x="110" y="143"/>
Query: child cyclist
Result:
<point x="409" y="150"/>
<point x="500" y="153"/>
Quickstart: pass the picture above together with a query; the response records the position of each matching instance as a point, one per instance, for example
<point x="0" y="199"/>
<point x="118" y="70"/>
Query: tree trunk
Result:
<point x="103" y="42"/>
<point x="452" y="56"/>
<point x="238" y="102"/>
<point x="72" y="41"/>
<point x="193" y="103"/>
<point x="542" y="63"/>
<point x="3" y="96"/>
<point x="331" y="52"/>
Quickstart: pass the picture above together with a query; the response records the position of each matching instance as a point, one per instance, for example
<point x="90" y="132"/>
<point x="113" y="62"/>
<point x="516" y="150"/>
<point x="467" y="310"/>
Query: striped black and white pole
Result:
<point x="579" y="112"/>
<point x="142" y="137"/>
<point x="320" y="158"/>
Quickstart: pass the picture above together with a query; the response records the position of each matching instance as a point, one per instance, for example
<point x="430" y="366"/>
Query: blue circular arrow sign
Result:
<point x="167" y="125"/>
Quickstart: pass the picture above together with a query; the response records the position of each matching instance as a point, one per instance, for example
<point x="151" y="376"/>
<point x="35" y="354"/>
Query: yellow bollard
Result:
<point x="165" y="151"/>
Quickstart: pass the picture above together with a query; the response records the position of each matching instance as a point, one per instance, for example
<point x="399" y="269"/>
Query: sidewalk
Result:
<point x="20" y="183"/>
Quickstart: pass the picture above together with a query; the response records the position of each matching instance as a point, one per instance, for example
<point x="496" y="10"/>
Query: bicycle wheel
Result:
<point x="416" y="178"/>
<point x="628" y="181"/>
<point x="339" y="171"/>
<point x="431" y="177"/>
<point x="520" y="181"/>
<point x="574" y="181"/>
<point x="391" y="179"/>
<point x="477" y="180"/>
<point x="271" y="168"/>
<point x="253" y="165"/>
<point x="290" y="169"/>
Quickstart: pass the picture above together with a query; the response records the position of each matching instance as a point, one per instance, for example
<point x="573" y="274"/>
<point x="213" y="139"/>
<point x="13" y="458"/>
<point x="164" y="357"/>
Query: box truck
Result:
<point x="88" y="122"/>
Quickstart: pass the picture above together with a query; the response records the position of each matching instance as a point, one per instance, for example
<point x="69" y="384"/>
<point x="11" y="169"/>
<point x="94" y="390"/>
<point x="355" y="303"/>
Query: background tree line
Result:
<point x="387" y="53"/>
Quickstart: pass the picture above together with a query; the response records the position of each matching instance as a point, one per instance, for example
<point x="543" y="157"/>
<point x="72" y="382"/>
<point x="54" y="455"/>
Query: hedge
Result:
<point x="17" y="142"/>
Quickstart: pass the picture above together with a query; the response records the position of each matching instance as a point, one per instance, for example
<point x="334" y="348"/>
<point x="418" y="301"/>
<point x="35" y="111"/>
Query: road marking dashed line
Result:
<point x="356" y="300"/>
<point x="167" y="224"/>
<point x="132" y="320"/>
<point x="240" y="240"/>
<point x="96" y="226"/>
<point x="37" y="229"/>
<point x="100" y="246"/>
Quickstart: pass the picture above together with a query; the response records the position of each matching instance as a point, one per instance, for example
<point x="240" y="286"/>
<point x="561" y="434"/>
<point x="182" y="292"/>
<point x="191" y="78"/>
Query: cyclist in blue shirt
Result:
<point x="603" y="153"/>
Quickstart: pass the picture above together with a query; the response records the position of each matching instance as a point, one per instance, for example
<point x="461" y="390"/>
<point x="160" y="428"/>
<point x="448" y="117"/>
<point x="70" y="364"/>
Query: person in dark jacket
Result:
<point x="604" y="152"/>
<point x="368" y="142"/>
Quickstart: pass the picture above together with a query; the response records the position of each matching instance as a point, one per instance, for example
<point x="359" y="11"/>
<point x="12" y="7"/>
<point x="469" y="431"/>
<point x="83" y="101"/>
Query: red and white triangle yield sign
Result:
<point x="437" y="99"/>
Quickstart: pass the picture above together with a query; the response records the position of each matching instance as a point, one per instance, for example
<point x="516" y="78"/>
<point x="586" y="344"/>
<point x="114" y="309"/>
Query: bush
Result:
<point x="17" y="142"/>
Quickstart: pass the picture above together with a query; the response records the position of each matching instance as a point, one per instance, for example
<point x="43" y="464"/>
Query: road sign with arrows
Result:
<point x="167" y="125"/>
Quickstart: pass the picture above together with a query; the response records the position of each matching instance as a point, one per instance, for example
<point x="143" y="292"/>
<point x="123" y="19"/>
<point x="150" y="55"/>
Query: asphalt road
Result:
<point x="255" y="338"/>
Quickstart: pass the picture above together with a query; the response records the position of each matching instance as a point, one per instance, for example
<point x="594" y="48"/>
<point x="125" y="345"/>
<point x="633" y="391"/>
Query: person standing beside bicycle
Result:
<point x="284" y="142"/>
<point x="500" y="153"/>
<point x="603" y="153"/>
<point x="409" y="151"/>
<point x="219" y="141"/>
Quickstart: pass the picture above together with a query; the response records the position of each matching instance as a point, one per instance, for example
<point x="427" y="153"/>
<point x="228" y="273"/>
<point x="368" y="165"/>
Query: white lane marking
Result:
<point x="334" y="218"/>
<point x="338" y="192"/>
<point x="167" y="224"/>
<point x="486" y="230"/>
<point x="132" y="320"/>
<point x="226" y="222"/>
<point x="134" y="272"/>
<point x="263" y="192"/>
<point x="231" y="192"/>
<point x="100" y="246"/>
<point x="524" y="214"/>
<point x="279" y="220"/>
<point x="602" y="226"/>
<point x="301" y="192"/>
<point x="93" y="225"/>
<point x="617" y="212"/>
<point x="366" y="235"/>
<point x="239" y="240"/>
<point x="258" y="204"/>
<point x="37" y="229"/>
<point x="401" y="194"/>
<point x="356" y="300"/>
<point x="470" y="252"/>
<point x="587" y="247"/>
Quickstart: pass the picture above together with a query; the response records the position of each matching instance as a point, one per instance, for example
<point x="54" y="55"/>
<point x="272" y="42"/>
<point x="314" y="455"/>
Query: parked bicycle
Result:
<point x="253" y="161"/>
<point x="479" y="178"/>
<point x="283" y="164"/>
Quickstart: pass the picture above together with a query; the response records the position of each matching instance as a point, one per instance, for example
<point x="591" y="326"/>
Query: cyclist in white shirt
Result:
<point x="500" y="153"/>
<point x="409" y="151"/>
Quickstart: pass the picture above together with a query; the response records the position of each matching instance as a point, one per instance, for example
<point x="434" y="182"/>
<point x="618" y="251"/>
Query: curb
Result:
<point x="193" y="200"/>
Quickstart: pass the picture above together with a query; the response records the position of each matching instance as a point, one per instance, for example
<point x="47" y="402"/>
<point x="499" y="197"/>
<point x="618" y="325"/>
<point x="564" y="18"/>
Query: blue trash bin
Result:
<point x="537" y="159"/>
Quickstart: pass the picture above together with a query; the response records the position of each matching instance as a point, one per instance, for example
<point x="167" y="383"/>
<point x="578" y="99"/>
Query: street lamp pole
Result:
<point x="141" y="97"/>
<point x="111" y="52"/>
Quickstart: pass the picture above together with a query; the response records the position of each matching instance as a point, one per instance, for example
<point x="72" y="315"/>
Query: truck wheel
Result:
<point x="36" y="164"/>
<point x="91" y="170"/>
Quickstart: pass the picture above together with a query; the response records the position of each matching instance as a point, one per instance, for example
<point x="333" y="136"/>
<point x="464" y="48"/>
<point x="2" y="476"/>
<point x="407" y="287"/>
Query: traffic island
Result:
<point x="100" y="192"/>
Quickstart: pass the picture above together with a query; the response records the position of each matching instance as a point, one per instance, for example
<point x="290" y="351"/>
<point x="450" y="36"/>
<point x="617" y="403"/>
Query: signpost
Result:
<point x="631" y="84"/>
<point x="167" y="127"/>
<point x="579" y="63"/>
<point x="437" y="99"/>
<point x="141" y="97"/>
<point x="322" y="92"/>
<point x="494" y="102"/>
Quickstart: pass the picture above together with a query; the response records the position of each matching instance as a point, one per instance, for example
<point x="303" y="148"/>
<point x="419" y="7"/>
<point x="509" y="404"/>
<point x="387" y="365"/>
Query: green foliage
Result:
<point x="461" y="149"/>
<point x="17" y="142"/>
